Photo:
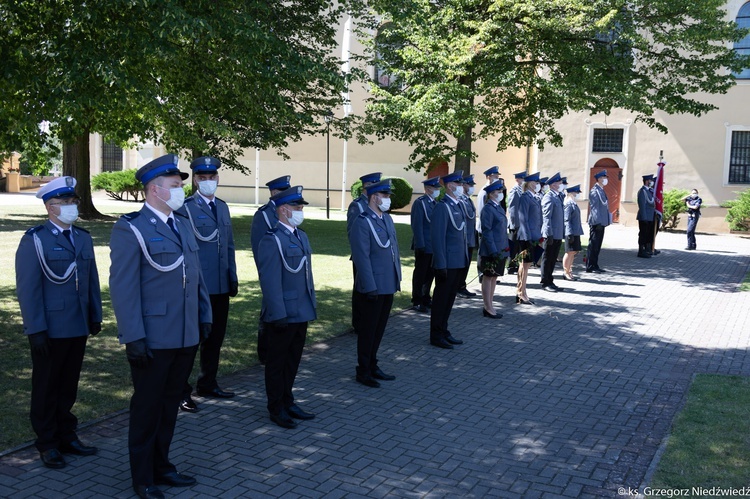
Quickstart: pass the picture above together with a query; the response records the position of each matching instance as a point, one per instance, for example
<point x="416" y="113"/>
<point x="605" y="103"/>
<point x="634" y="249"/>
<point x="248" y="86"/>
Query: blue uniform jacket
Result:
<point x="355" y="209"/>
<point x="514" y="197"/>
<point x="646" y="210"/>
<point x="217" y="255"/>
<point x="553" y="218"/>
<point x="60" y="309"/>
<point x="448" y="234"/>
<point x="265" y="219"/>
<point x="529" y="218"/>
<point x="165" y="308"/>
<point x="286" y="279"/>
<point x="421" y="216"/>
<point x="375" y="254"/>
<point x="598" y="207"/>
<point x="470" y="214"/>
<point x="572" y="218"/>
<point x="494" y="240"/>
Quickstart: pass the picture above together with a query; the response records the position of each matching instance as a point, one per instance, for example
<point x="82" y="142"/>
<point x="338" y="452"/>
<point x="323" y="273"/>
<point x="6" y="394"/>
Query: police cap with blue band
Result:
<point x="292" y="196"/>
<point x="382" y="186"/>
<point x="492" y="171"/>
<point x="371" y="178"/>
<point x="432" y="182"/>
<point x="575" y="188"/>
<point x="522" y="174"/>
<point x="205" y="164"/>
<point x="469" y="180"/>
<point x="543" y="180"/>
<point x="162" y="166"/>
<point x="648" y="177"/>
<point x="602" y="173"/>
<point x="494" y="186"/>
<point x="534" y="177"/>
<point x="279" y="184"/>
<point x="61" y="187"/>
<point x="456" y="176"/>
<point x="554" y="178"/>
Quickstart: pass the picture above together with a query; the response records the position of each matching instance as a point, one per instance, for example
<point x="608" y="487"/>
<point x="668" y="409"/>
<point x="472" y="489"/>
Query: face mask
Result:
<point x="296" y="218"/>
<point x="208" y="187"/>
<point x="650" y="183"/>
<point x="694" y="195"/>
<point x="68" y="213"/>
<point x="435" y="194"/>
<point x="576" y="197"/>
<point x="537" y="188"/>
<point x="384" y="204"/>
<point x="458" y="191"/>
<point x="176" y="197"/>
<point x="605" y="181"/>
<point x="563" y="187"/>
<point x="470" y="191"/>
<point x="498" y="198"/>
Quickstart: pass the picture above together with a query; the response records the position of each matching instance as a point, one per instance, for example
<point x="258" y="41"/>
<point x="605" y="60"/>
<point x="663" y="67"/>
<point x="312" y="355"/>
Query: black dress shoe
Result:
<point x="441" y="343"/>
<point x="491" y="316"/>
<point x="284" y="420"/>
<point x="466" y="293"/>
<point x="175" y="479"/>
<point x="189" y="405"/>
<point x="77" y="448"/>
<point x="52" y="458"/>
<point x="148" y="491"/>
<point x="217" y="393"/>
<point x="378" y="373"/>
<point x="367" y="380"/>
<point x="453" y="341"/>
<point x="296" y="412"/>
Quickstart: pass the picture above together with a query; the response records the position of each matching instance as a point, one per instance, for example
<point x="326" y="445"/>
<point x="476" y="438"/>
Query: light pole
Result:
<point x="329" y="118"/>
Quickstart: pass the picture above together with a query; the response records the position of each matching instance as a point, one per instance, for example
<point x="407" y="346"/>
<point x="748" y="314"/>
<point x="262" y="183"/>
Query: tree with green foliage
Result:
<point x="457" y="71"/>
<point x="202" y="76"/>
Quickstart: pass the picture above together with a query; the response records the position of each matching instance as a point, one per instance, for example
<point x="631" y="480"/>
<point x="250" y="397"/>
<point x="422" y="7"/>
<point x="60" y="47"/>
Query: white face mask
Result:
<point x="208" y="187"/>
<point x="563" y="187"/>
<point x="296" y="218"/>
<point x="498" y="197"/>
<point x="537" y="187"/>
<point x="560" y="188"/>
<point x="577" y="196"/>
<point x="176" y="197"/>
<point x="458" y="191"/>
<point x="604" y="182"/>
<point x="68" y="213"/>
<point x="435" y="193"/>
<point x="650" y="183"/>
<point x="384" y="204"/>
<point x="470" y="191"/>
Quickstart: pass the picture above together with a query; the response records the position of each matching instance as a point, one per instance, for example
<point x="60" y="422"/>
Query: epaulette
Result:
<point x="272" y="231"/>
<point x="131" y="216"/>
<point x="363" y="215"/>
<point x="183" y="215"/>
<point x="81" y="229"/>
<point x="34" y="229"/>
<point x="191" y="199"/>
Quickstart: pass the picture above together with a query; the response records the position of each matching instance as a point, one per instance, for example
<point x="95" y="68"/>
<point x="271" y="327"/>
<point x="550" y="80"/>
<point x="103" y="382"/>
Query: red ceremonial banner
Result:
<point x="659" y="190"/>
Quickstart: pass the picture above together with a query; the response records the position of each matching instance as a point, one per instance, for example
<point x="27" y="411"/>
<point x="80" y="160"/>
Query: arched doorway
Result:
<point x="614" y="184"/>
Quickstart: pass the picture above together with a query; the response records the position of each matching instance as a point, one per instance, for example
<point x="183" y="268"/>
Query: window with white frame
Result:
<point x="742" y="47"/>
<point x="739" y="157"/>
<point x="608" y="140"/>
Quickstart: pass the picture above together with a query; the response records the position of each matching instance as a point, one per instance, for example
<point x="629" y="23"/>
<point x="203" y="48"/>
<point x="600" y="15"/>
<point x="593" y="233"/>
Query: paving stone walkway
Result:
<point x="572" y="397"/>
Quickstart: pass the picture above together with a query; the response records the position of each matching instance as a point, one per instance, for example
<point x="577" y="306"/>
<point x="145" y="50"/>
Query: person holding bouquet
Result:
<point x="493" y="247"/>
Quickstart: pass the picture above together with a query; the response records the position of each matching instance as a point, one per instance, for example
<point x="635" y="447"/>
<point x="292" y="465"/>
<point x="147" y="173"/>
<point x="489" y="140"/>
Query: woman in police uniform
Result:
<point x="493" y="246"/>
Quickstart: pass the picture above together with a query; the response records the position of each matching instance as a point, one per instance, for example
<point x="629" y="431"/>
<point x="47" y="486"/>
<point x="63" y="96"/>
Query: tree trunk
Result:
<point x="463" y="152"/>
<point x="77" y="164"/>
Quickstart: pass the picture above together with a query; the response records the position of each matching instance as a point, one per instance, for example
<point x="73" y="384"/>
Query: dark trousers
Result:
<point x="356" y="313"/>
<point x="377" y="312"/>
<point x="421" y="279"/>
<point x="54" y="388"/>
<point x="645" y="233"/>
<point x="513" y="264"/>
<point x="596" y="237"/>
<point x="691" y="225"/>
<point x="442" y="303"/>
<point x="157" y="392"/>
<point x="465" y="271"/>
<point x="285" y="346"/>
<point x="210" y="350"/>
<point x="549" y="259"/>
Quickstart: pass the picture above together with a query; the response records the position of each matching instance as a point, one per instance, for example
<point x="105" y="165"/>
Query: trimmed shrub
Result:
<point x="674" y="205"/>
<point x="400" y="197"/>
<point x="738" y="214"/>
<point x="118" y="185"/>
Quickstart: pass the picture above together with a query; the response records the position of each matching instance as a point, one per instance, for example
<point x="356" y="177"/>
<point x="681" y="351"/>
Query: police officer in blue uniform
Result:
<point x="450" y="256"/>
<point x="599" y="218"/>
<point x="286" y="280"/>
<point x="529" y="233"/>
<point x="212" y="227"/>
<point x="645" y="217"/>
<point x="355" y="209"/>
<point x="514" y="197"/>
<point x="493" y="246"/>
<point x="375" y="253"/>
<point x="57" y="284"/>
<point x="421" y="243"/>
<point x="573" y="231"/>
<point x="492" y="175"/>
<point x="553" y="231"/>
<point x="163" y="310"/>
<point x="265" y="219"/>
<point x="470" y="214"/>
<point x="693" y="203"/>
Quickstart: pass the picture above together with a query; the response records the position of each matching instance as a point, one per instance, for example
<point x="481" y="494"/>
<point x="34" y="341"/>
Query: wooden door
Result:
<point x="614" y="184"/>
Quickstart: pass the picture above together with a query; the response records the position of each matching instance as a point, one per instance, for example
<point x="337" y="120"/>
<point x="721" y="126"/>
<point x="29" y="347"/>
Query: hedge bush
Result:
<point x="400" y="197"/>
<point x="674" y="205"/>
<point x="118" y="185"/>
<point x="738" y="214"/>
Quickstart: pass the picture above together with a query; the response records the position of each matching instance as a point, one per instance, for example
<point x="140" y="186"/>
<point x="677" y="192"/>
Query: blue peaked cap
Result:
<point x="494" y="186"/>
<point x="456" y="176"/>
<point x="602" y="173"/>
<point x="554" y="178"/>
<point x="534" y="177"/>
<point x="205" y="164"/>
<point x="469" y="179"/>
<point x="61" y="187"/>
<point x="292" y="196"/>
<point x="522" y="174"/>
<point x="161" y="166"/>
<point x="492" y="171"/>
<point x="371" y="177"/>
<point x="280" y="183"/>
<point x="432" y="182"/>
<point x="382" y="186"/>
<point x="575" y="188"/>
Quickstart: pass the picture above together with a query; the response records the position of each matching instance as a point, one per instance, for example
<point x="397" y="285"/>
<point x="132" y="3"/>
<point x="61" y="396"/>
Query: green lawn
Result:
<point x="105" y="379"/>
<point x="710" y="441"/>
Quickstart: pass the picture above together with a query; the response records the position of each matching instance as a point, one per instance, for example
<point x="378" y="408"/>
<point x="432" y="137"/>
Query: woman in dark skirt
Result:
<point x="493" y="247"/>
<point x="573" y="231"/>
<point x="529" y="234"/>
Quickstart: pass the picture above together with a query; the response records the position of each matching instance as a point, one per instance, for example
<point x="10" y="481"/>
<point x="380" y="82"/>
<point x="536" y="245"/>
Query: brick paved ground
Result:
<point x="569" y="398"/>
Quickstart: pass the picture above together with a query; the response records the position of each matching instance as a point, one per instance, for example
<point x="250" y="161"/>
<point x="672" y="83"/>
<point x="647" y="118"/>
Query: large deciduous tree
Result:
<point x="463" y="70"/>
<point x="202" y="76"/>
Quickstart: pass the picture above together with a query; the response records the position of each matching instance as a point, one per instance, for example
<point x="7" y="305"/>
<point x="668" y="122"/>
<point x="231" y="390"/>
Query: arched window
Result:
<point x="743" y="46"/>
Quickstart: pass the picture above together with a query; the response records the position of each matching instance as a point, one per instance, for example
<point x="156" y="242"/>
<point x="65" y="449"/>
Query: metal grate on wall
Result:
<point x="111" y="157"/>
<point x="739" y="158"/>
<point x="608" y="139"/>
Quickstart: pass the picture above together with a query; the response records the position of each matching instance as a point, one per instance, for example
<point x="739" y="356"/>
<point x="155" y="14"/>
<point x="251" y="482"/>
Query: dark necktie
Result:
<point x="296" y="234"/>
<point x="68" y="236"/>
<point x="212" y="205"/>
<point x="170" y="222"/>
